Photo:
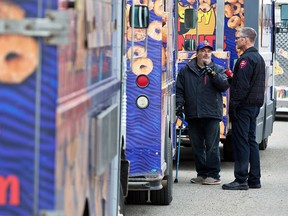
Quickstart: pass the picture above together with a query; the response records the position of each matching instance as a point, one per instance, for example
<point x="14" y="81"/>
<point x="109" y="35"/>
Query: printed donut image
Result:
<point x="224" y="98"/>
<point x="139" y="34"/>
<point x="145" y="3"/>
<point x="138" y="51"/>
<point x="158" y="8"/>
<point x="231" y="1"/>
<point x="241" y="25"/>
<point x="155" y="30"/>
<point x="205" y="1"/>
<point x="18" y="54"/>
<point x="234" y="22"/>
<point x="237" y="8"/>
<point x="18" y="58"/>
<point x="165" y="17"/>
<point x="127" y="14"/>
<point x="163" y="57"/>
<point x="142" y="66"/>
<point x="191" y="1"/>
<point x="8" y="10"/>
<point x="241" y="14"/>
<point x="228" y="10"/>
<point x="151" y="5"/>
<point x="164" y="33"/>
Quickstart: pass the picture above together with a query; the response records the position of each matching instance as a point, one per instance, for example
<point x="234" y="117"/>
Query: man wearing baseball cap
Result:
<point x="204" y="44"/>
<point x="199" y="88"/>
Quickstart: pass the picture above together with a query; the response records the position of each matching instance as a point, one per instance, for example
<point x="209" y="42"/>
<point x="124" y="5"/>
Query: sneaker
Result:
<point x="198" y="180"/>
<point x="211" y="181"/>
<point x="236" y="186"/>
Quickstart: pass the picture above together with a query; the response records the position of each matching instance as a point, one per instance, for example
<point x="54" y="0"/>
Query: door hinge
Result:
<point x="54" y="28"/>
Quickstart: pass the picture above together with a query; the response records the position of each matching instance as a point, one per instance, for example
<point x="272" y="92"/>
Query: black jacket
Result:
<point x="248" y="84"/>
<point x="200" y="93"/>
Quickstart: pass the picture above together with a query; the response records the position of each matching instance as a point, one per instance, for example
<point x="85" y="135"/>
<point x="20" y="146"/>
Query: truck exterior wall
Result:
<point x="27" y="124"/>
<point x="60" y="118"/>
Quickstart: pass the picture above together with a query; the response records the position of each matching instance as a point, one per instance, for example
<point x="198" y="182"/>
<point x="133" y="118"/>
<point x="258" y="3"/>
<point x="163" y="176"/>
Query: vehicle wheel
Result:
<point x="137" y="197"/>
<point x="263" y="144"/>
<point x="228" y="148"/>
<point x="164" y="196"/>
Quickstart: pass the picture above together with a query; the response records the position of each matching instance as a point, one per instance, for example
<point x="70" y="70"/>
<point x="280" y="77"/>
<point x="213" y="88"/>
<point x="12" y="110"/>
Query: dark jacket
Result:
<point x="248" y="83"/>
<point x="200" y="93"/>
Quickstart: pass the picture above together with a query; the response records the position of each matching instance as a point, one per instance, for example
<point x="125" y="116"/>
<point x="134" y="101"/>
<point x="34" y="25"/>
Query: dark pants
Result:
<point x="204" y="135"/>
<point x="245" y="147"/>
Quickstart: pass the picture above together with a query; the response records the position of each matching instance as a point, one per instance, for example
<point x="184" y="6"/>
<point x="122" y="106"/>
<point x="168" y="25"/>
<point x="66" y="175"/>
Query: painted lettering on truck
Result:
<point x="9" y="190"/>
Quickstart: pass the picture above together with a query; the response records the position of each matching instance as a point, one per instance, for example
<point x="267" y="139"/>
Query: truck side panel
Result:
<point x="87" y="172"/>
<point x="28" y="92"/>
<point x="143" y="133"/>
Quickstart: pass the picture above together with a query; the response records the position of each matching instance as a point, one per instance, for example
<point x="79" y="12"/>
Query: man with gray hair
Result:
<point x="246" y="98"/>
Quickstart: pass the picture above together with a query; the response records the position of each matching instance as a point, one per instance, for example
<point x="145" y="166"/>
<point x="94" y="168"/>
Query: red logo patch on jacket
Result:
<point x="243" y="63"/>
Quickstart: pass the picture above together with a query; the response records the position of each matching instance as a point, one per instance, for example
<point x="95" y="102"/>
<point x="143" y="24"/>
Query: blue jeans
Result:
<point x="245" y="147"/>
<point x="204" y="135"/>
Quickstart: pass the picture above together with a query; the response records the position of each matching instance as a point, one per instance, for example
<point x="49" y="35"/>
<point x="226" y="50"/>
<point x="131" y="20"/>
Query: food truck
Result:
<point x="217" y="22"/>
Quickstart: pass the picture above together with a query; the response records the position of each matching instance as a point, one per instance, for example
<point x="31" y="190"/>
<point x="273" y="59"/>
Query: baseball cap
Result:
<point x="203" y="45"/>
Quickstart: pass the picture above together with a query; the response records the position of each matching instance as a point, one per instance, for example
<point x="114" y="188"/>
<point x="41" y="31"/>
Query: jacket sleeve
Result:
<point x="180" y="89"/>
<point x="220" y="80"/>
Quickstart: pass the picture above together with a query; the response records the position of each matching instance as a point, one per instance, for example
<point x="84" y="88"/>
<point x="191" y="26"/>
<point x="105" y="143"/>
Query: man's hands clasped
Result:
<point x="209" y="71"/>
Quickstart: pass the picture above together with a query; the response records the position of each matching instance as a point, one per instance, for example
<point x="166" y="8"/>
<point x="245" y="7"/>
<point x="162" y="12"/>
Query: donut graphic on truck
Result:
<point x="19" y="54"/>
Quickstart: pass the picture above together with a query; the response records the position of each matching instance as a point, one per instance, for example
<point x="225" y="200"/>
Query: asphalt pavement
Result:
<point x="207" y="200"/>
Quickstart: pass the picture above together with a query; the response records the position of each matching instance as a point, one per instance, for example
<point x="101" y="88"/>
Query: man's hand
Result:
<point x="229" y="75"/>
<point x="209" y="70"/>
<point x="179" y="111"/>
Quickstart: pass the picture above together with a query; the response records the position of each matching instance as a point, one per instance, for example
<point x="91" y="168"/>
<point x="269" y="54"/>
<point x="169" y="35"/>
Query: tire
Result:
<point x="137" y="197"/>
<point x="164" y="196"/>
<point x="228" y="148"/>
<point x="263" y="144"/>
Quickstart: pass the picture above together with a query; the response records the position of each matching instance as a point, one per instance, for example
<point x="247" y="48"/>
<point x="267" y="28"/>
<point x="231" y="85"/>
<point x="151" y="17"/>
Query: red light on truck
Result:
<point x="142" y="81"/>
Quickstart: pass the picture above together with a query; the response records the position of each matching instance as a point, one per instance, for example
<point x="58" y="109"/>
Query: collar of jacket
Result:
<point x="250" y="49"/>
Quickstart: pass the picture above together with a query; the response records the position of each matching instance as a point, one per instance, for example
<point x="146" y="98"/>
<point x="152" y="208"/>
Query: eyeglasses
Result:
<point x="237" y="38"/>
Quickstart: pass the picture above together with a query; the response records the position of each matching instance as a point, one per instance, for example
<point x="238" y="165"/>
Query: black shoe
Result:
<point x="255" y="186"/>
<point x="235" y="186"/>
